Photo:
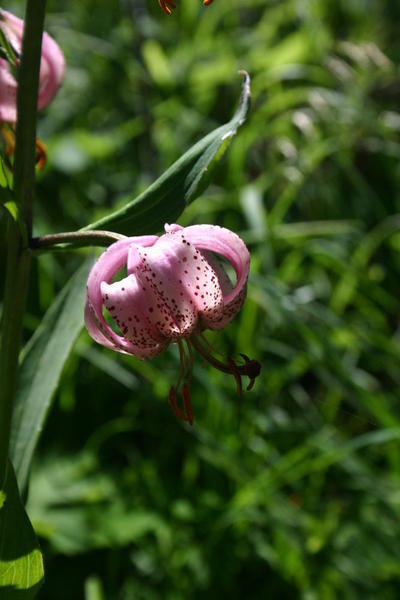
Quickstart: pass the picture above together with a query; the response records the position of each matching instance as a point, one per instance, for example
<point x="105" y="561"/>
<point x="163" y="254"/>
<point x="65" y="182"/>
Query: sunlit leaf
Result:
<point x="21" y="562"/>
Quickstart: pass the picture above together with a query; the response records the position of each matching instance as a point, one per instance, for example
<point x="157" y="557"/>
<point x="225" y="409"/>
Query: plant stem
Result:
<point x="18" y="256"/>
<point x="74" y="239"/>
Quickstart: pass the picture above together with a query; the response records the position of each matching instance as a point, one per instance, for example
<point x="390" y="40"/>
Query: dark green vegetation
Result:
<point x="293" y="491"/>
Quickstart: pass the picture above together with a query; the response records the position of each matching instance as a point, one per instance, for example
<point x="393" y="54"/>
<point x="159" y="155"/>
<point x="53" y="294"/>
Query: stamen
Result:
<point x="207" y="2"/>
<point x="185" y="373"/>
<point x="253" y="369"/>
<point x="187" y="403"/>
<point x="174" y="406"/>
<point x="182" y="365"/>
<point x="210" y="346"/>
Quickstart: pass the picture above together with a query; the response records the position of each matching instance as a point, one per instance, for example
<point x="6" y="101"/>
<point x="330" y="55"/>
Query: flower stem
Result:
<point x="18" y="255"/>
<point x="74" y="239"/>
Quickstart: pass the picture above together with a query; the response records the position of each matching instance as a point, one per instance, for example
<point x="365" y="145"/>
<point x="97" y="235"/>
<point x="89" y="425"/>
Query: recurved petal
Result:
<point x="136" y="313"/>
<point x="105" y="336"/>
<point x="182" y="279"/>
<point x="229" y="245"/>
<point x="113" y="259"/>
<point x="97" y="331"/>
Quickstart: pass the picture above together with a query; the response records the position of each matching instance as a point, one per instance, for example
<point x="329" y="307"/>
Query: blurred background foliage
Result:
<point x="294" y="490"/>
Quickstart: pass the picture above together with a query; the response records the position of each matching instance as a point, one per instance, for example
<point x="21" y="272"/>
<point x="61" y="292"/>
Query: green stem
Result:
<point x="74" y="239"/>
<point x="18" y="256"/>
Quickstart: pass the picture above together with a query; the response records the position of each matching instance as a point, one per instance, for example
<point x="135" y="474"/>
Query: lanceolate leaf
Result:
<point x="184" y="181"/>
<point x="21" y="562"/>
<point x="42" y="363"/>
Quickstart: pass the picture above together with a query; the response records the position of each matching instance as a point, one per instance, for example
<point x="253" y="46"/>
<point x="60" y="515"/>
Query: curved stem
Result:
<point x="18" y="256"/>
<point x="74" y="239"/>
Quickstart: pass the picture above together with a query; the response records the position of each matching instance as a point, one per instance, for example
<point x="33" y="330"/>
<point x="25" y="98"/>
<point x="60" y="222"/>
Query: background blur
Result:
<point x="294" y="491"/>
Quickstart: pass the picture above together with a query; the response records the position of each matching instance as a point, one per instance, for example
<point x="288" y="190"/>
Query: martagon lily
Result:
<point x="52" y="69"/>
<point x="175" y="288"/>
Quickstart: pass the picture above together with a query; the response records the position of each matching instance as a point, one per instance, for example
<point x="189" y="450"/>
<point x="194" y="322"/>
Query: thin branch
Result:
<point x="74" y="239"/>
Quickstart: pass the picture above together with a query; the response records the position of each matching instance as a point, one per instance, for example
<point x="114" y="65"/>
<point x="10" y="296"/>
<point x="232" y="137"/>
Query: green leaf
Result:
<point x="12" y="208"/>
<point x="4" y="175"/>
<point x="42" y="362"/>
<point x="21" y="562"/>
<point x="184" y="181"/>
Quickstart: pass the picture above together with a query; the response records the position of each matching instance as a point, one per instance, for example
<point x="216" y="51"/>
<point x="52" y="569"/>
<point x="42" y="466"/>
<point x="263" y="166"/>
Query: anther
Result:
<point x="252" y="369"/>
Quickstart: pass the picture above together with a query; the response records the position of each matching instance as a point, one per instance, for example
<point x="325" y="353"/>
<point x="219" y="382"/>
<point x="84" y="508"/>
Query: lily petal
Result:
<point x="229" y="245"/>
<point x="135" y="314"/>
<point x="183" y="281"/>
<point x="111" y="261"/>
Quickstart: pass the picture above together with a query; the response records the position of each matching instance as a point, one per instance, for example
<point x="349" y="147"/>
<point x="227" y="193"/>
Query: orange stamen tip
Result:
<point x="235" y="372"/>
<point x="187" y="402"/>
<point x="207" y="2"/>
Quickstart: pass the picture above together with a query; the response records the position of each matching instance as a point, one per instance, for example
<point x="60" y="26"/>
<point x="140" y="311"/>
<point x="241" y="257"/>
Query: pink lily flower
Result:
<point x="175" y="288"/>
<point x="51" y="68"/>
